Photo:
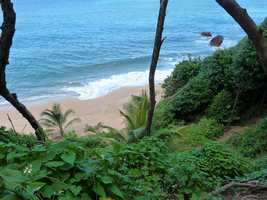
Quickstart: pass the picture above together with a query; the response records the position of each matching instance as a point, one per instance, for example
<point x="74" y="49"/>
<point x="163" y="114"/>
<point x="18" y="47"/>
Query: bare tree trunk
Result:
<point x="8" y="31"/>
<point x="254" y="33"/>
<point x="154" y="62"/>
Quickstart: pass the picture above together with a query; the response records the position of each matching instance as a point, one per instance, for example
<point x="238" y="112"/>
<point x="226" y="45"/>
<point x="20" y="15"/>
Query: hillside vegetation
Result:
<point x="183" y="159"/>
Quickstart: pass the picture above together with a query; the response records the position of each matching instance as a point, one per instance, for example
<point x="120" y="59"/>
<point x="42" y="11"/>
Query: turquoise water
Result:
<point x="87" y="48"/>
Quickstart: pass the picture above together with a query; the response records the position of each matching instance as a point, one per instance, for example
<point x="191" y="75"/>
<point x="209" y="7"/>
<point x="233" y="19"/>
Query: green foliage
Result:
<point x="218" y="160"/>
<point x="105" y="132"/>
<point x="252" y="141"/>
<point x="182" y="73"/>
<point x="194" y="135"/>
<point x="200" y="171"/>
<point x="135" y="113"/>
<point x="185" y="104"/>
<point x="59" y="170"/>
<point x="222" y="108"/>
<point x="20" y="139"/>
<point x="56" y="118"/>
<point x="75" y="169"/>
<point x="162" y="116"/>
<point x="214" y="86"/>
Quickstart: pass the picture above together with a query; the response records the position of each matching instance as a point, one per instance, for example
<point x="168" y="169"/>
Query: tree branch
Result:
<point x="254" y="33"/>
<point x="256" y="185"/>
<point x="8" y="31"/>
<point x="154" y="61"/>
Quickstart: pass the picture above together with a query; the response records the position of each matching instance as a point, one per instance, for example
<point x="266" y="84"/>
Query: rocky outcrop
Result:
<point x="217" y="41"/>
<point x="206" y="34"/>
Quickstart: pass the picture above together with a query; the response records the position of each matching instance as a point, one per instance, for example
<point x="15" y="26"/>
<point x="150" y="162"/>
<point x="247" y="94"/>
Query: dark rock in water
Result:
<point x="217" y="41"/>
<point x="206" y="34"/>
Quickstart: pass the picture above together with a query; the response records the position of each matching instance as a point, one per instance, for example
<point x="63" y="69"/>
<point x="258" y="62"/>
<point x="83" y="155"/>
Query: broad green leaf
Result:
<point x="39" y="148"/>
<point x="12" y="178"/>
<point x="75" y="189"/>
<point x="106" y="179"/>
<point x="115" y="190"/>
<point x="55" y="164"/>
<point x="14" y="155"/>
<point x="69" y="157"/>
<point x="99" y="190"/>
<point x="34" y="187"/>
<point x="49" y="190"/>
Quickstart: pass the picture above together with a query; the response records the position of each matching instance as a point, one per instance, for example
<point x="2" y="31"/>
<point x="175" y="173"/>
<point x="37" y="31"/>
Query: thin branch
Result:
<point x="250" y="185"/>
<point x="12" y="125"/>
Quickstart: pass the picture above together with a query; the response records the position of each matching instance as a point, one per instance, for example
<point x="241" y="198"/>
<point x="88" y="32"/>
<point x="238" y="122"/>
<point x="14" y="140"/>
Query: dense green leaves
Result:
<point x="147" y="169"/>
<point x="252" y="141"/>
<point x="182" y="73"/>
<point x="225" y="84"/>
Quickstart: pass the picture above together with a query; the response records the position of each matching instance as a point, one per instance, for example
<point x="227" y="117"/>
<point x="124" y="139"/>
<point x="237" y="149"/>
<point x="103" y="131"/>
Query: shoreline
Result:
<point x="103" y="109"/>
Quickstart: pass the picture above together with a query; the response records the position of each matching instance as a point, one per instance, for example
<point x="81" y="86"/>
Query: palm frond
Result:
<point x="67" y="113"/>
<point x="48" y="122"/>
<point x="71" y="122"/>
<point x="128" y="120"/>
<point x="135" y="112"/>
<point x="55" y="117"/>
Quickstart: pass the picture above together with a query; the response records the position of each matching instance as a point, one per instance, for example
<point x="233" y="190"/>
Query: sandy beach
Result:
<point x="103" y="109"/>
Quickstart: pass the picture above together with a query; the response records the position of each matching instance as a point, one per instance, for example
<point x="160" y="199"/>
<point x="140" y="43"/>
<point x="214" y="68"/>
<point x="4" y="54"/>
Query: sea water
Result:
<point x="88" y="48"/>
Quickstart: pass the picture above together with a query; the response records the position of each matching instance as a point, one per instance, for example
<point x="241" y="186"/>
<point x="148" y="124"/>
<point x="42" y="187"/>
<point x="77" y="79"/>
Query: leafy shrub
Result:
<point x="246" y="70"/>
<point x="252" y="141"/>
<point x="194" y="135"/>
<point x="261" y="162"/>
<point x="222" y="107"/>
<point x="75" y="169"/>
<point x="209" y="128"/>
<point x="182" y="73"/>
<point x="217" y="160"/>
<point x="199" y="172"/>
<point x="20" y="139"/>
<point x="234" y="70"/>
<point x="162" y="116"/>
<point x="56" y="170"/>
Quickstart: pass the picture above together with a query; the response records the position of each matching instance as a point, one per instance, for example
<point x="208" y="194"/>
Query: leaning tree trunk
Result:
<point x="254" y="33"/>
<point x="8" y="31"/>
<point x="154" y="62"/>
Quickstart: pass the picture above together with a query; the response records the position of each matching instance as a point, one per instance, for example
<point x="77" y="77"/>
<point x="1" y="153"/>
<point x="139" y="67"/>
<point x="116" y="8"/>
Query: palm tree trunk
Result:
<point x="61" y="130"/>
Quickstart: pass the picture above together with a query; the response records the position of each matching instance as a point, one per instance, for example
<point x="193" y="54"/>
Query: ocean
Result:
<point x="88" y="48"/>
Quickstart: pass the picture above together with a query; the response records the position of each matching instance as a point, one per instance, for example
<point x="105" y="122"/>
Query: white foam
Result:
<point x="103" y="86"/>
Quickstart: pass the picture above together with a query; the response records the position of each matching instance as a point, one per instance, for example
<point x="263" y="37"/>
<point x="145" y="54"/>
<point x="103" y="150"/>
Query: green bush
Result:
<point x="210" y="128"/>
<point x="192" y="98"/>
<point x="217" y="160"/>
<point x="162" y="116"/>
<point x="222" y="108"/>
<point x="252" y="141"/>
<point x="236" y="70"/>
<point x="199" y="172"/>
<point x="187" y="137"/>
<point x="182" y="73"/>
<point x="74" y="169"/>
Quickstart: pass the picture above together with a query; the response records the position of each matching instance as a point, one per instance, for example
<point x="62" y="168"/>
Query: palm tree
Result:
<point x="56" y="118"/>
<point x="135" y="112"/>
